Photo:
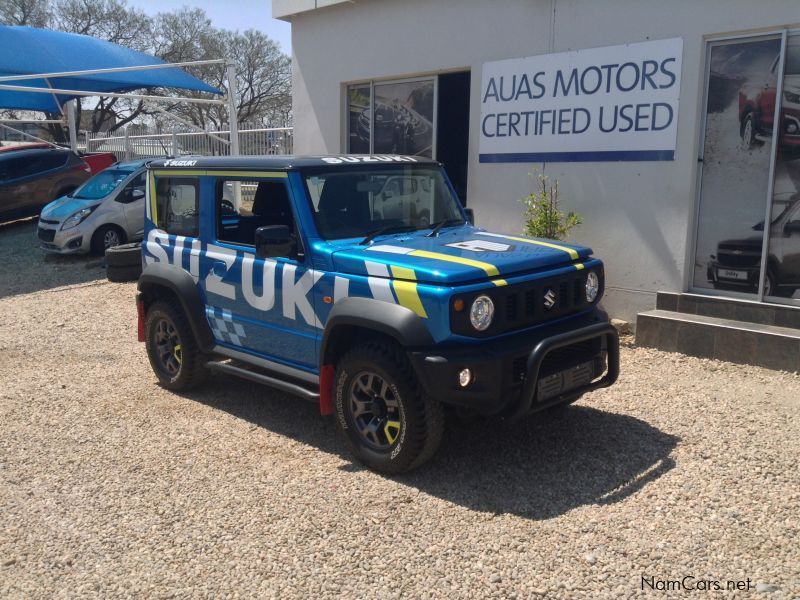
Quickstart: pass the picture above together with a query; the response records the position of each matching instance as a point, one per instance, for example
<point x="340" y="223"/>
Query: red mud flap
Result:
<point x="140" y="319"/>
<point x="326" y="390"/>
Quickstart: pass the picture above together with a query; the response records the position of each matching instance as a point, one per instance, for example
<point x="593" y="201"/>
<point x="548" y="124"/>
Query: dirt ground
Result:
<point x="685" y="471"/>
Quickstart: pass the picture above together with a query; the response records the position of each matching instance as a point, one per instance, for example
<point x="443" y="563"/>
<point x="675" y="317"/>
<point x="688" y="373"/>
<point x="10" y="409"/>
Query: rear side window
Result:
<point x="177" y="205"/>
<point x="31" y="163"/>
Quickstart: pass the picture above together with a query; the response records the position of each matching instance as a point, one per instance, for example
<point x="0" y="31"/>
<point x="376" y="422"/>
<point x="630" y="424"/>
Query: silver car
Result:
<point x="107" y="210"/>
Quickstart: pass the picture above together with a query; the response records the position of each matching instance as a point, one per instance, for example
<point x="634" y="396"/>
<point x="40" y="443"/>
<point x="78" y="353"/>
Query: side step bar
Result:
<point x="250" y="375"/>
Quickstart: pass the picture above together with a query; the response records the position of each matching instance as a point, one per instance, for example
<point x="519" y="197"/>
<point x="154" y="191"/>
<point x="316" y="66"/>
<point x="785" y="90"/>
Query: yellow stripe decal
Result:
<point x="499" y="282"/>
<point x="490" y="269"/>
<point x="153" y="204"/>
<point x="572" y="253"/>
<point x="579" y="266"/>
<point x="406" y="291"/>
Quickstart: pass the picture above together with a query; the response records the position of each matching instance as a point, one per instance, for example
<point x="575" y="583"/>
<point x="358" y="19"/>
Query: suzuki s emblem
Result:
<point x="549" y="299"/>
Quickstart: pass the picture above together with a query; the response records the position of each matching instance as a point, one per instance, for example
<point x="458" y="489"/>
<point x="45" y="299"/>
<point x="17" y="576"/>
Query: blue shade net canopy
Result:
<point x="31" y="51"/>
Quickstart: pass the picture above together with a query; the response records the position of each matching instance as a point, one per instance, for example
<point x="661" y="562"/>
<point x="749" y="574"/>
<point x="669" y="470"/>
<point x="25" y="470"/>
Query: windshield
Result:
<point x="102" y="184"/>
<point x="361" y="200"/>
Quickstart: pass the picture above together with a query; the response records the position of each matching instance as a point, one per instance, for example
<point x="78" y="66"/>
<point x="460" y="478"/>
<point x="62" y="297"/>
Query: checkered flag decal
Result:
<point x="223" y="327"/>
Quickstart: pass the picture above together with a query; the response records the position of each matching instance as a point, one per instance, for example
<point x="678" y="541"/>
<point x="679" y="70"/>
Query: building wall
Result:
<point x="638" y="216"/>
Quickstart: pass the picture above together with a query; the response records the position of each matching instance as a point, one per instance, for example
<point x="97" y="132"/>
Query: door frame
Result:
<point x="709" y="43"/>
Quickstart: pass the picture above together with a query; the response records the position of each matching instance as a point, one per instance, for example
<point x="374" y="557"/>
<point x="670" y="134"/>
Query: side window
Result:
<point x="177" y="205"/>
<point x="135" y="190"/>
<point x="245" y="205"/>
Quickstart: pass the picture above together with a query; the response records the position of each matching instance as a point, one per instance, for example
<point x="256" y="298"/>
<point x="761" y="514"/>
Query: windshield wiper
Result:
<point x="383" y="230"/>
<point x="445" y="223"/>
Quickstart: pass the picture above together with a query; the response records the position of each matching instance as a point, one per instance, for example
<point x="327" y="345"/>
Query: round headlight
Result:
<point x="592" y="286"/>
<point x="481" y="313"/>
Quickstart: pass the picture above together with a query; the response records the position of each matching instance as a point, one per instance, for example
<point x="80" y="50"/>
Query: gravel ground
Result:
<point x="112" y="486"/>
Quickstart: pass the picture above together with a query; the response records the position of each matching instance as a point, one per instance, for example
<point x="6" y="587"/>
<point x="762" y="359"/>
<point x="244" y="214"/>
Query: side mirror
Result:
<point x="275" y="241"/>
<point x="470" y="215"/>
<point x="136" y="194"/>
<point x="791" y="227"/>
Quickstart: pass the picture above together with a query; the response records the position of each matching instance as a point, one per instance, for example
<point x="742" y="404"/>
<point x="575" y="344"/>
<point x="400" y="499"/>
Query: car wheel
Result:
<point x="171" y="347"/>
<point x="124" y="255"/>
<point x="387" y="422"/>
<point x="748" y="132"/>
<point x="106" y="237"/>
<point x="124" y="274"/>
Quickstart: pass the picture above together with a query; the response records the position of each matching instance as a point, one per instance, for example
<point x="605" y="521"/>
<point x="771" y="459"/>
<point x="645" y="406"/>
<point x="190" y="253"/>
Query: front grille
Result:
<point x="743" y="259"/>
<point x="559" y="359"/>
<point x="569" y="356"/>
<point x="47" y="235"/>
<point x="523" y="305"/>
<point x="47" y="221"/>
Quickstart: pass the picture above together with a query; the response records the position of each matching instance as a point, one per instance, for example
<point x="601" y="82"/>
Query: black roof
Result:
<point x="284" y="162"/>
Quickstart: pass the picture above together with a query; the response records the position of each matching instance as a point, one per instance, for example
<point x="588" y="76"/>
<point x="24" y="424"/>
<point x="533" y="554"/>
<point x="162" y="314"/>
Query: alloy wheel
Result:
<point x="168" y="347"/>
<point x="375" y="410"/>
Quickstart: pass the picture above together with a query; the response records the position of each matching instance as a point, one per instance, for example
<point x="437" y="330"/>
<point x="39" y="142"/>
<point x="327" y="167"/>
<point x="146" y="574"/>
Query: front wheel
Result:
<point x="747" y="132"/>
<point x="385" y="419"/>
<point x="171" y="347"/>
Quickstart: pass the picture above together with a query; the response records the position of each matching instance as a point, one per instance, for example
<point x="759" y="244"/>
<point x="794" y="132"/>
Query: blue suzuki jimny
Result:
<point x="360" y="282"/>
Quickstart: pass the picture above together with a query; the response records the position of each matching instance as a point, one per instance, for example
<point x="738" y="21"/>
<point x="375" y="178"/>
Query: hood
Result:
<point x="752" y="244"/>
<point x="456" y="255"/>
<point x="65" y="207"/>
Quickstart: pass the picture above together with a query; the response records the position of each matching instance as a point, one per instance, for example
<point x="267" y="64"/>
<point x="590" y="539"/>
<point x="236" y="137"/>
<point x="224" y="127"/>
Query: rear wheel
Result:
<point x="385" y="419"/>
<point x="171" y="347"/>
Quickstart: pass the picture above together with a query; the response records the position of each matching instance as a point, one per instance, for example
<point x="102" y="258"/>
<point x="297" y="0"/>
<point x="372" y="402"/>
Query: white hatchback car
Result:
<point x="107" y="210"/>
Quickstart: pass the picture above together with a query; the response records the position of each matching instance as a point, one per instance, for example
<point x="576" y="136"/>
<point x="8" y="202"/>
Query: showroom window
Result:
<point x="748" y="223"/>
<point x="392" y="117"/>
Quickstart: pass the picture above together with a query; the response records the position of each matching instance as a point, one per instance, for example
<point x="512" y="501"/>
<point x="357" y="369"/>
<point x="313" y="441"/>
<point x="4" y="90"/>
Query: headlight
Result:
<point x="481" y="313"/>
<point x="77" y="218"/>
<point x="592" y="286"/>
<point x="792" y="97"/>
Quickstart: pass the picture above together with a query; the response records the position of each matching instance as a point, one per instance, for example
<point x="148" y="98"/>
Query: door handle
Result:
<point x="218" y="267"/>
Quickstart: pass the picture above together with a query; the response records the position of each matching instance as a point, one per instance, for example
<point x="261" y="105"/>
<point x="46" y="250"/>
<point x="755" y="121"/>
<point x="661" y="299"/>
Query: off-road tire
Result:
<point x="421" y="417"/>
<point x="98" y="245"/>
<point x="124" y="255"/>
<point x="191" y="370"/>
<point x="124" y="274"/>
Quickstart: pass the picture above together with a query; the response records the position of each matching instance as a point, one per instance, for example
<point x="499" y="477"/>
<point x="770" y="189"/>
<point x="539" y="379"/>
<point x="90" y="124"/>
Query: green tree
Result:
<point x="543" y="219"/>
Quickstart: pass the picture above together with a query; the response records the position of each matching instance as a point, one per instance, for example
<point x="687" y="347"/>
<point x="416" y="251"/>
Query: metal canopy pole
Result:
<point x="111" y="70"/>
<point x="233" y="115"/>
<point x="233" y="118"/>
<point x="36" y="90"/>
<point x="72" y="115"/>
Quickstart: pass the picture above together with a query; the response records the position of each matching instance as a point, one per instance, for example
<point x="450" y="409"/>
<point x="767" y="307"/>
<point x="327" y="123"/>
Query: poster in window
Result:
<point x="404" y="118"/>
<point x="358" y="109"/>
<point x="736" y="164"/>
<point x="783" y="271"/>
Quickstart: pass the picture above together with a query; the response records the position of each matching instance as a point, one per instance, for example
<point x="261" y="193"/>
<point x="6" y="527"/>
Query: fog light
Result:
<point x="791" y="127"/>
<point x="464" y="377"/>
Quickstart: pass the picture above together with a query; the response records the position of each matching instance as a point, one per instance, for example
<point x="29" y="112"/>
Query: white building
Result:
<point x="694" y="170"/>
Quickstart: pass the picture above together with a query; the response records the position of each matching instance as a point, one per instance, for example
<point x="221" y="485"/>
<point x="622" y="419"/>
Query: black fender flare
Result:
<point x="394" y="320"/>
<point x="183" y="286"/>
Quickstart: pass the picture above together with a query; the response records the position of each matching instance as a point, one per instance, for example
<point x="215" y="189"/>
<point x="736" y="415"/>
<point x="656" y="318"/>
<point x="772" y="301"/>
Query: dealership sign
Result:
<point x="602" y="104"/>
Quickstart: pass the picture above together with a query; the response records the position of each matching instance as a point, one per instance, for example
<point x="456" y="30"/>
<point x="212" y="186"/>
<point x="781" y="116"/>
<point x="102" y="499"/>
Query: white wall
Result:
<point x="638" y="216"/>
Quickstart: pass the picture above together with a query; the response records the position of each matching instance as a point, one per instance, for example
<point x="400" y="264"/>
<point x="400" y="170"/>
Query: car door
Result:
<point x="14" y="185"/>
<point x="131" y="202"/>
<point x="262" y="306"/>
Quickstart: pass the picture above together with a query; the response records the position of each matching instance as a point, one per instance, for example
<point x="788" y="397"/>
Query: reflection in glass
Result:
<point x="404" y="118"/>
<point x="783" y="270"/>
<point x="358" y="103"/>
<point x="736" y="160"/>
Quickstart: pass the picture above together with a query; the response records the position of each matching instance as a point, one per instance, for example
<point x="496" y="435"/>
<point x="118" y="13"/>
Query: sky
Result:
<point x="230" y="14"/>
